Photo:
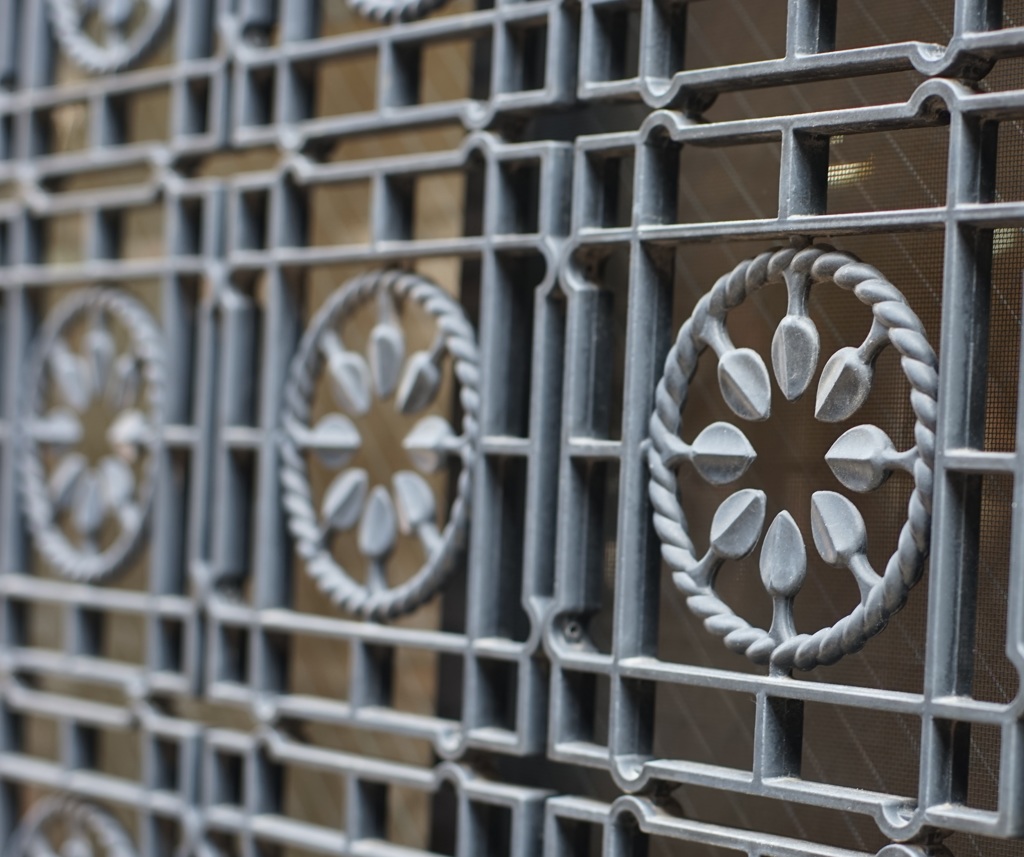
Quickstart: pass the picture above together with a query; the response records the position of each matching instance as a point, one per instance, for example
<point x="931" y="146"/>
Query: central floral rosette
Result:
<point x="405" y="503"/>
<point x="861" y="459"/>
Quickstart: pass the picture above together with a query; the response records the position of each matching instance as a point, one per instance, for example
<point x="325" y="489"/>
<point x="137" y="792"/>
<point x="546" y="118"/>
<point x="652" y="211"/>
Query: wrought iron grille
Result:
<point x="427" y="428"/>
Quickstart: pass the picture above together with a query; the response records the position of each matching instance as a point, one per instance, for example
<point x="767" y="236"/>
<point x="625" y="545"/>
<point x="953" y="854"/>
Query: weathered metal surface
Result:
<point x="191" y="435"/>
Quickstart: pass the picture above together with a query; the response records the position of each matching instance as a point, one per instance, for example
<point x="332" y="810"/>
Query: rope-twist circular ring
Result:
<point x="30" y="837"/>
<point x="66" y="16"/>
<point x="303" y="520"/>
<point x="147" y="346"/>
<point x="392" y="11"/>
<point x="906" y="565"/>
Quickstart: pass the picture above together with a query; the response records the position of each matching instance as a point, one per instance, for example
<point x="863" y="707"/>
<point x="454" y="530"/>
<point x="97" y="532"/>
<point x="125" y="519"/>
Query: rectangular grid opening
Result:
<point x="870" y="22"/>
<point x="327" y="98"/>
<point x="714" y="183"/>
<point x="872" y="172"/>
<point x="137" y="117"/>
<point x="615" y="49"/>
<point x="750" y="32"/>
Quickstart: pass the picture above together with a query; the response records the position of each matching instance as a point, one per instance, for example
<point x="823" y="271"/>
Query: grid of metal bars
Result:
<point x="607" y="161"/>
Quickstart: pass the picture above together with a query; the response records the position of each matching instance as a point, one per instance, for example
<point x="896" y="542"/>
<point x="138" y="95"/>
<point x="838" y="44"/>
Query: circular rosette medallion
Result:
<point x="405" y="384"/>
<point x="69" y="828"/>
<point x="91" y="425"/>
<point x="861" y="459"/>
<point x="105" y="36"/>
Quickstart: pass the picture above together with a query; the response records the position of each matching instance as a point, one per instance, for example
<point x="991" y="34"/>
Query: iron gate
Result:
<point x="427" y="428"/>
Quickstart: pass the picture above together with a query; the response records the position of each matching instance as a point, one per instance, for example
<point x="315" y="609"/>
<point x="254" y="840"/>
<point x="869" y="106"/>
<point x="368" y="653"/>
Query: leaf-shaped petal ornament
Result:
<point x="419" y="384"/>
<point x="77" y="845"/>
<point x="721" y="453"/>
<point x="795" y="355"/>
<point x="71" y="374"/>
<point x="100" y="350"/>
<point x="428" y="442"/>
<point x="87" y="512"/>
<point x="746" y="388"/>
<point x="386" y="352"/>
<point x="124" y="382"/>
<point x="335" y="439"/>
<point x="860" y="458"/>
<point x="844" y="385"/>
<point x="130" y="516"/>
<point x="350" y="381"/>
<point x="783" y="557"/>
<point x="117" y="482"/>
<point x="117" y="13"/>
<point x="414" y="499"/>
<point x="838" y="528"/>
<point x="60" y="427"/>
<point x="65" y="478"/>
<point x="343" y="499"/>
<point x="128" y="432"/>
<point x="378" y="529"/>
<point x="738" y="523"/>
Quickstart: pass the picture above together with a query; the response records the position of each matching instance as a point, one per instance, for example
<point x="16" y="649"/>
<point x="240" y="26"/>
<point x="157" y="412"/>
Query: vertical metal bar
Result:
<point x="637" y="558"/>
<point x="962" y="373"/>
<point x="1011" y="756"/>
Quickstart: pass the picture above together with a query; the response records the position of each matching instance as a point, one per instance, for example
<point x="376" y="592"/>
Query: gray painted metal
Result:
<point x="721" y="454"/>
<point x="192" y="403"/>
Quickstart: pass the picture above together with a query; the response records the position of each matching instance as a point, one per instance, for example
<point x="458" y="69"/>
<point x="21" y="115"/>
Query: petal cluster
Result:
<point x="92" y="494"/>
<point x="379" y="513"/>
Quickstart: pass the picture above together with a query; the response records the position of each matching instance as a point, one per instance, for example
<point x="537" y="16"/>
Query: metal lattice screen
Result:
<point x="428" y="428"/>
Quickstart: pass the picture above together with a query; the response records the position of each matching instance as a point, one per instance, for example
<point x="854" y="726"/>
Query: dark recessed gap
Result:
<point x="578" y="839"/>
<point x="252" y="226"/>
<point x="258" y="101"/>
<point x="228" y="783"/>
<point x="196" y="109"/>
<point x="519" y="198"/>
<point x="166" y="774"/>
<point x="444" y="818"/>
<point x="499" y="693"/>
<point x="493" y="828"/>
<point x="233" y="654"/>
<point x="190" y="226"/>
<point x="170" y="645"/>
<point x="608" y="200"/>
<point x="617" y="45"/>
<point x="528" y="49"/>
<point x="722" y="183"/>
<point x="587" y="697"/>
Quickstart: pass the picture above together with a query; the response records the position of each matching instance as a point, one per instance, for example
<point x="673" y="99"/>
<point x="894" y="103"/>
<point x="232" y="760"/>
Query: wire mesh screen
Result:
<point x="517" y="427"/>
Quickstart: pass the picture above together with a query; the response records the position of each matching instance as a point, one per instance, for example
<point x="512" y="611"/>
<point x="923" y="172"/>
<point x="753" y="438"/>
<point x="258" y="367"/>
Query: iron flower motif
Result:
<point x="407" y="505"/>
<point x="87" y="513"/>
<point x="861" y="459"/>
